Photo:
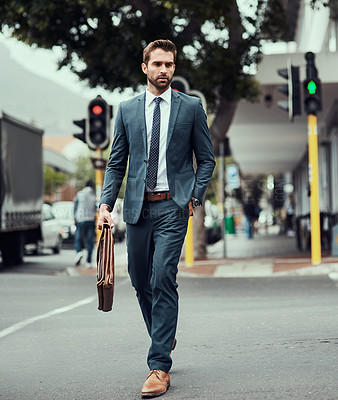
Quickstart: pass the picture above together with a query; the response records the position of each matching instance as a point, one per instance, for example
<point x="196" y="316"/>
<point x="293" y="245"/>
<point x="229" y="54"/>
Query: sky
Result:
<point x="44" y="63"/>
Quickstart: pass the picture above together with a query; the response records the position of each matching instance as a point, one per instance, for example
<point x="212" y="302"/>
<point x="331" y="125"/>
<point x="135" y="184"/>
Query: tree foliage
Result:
<point x="53" y="180"/>
<point x="84" y="171"/>
<point x="103" y="40"/>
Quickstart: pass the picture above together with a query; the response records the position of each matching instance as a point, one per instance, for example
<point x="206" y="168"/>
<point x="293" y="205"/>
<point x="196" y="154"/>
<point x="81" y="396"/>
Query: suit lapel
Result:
<point x="141" y="119"/>
<point x="175" y="105"/>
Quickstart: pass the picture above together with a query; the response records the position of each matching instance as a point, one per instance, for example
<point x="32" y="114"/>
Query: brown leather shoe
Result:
<point x="157" y="383"/>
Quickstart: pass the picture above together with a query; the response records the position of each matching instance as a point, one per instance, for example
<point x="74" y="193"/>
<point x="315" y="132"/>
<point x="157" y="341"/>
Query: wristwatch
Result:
<point x="195" y="202"/>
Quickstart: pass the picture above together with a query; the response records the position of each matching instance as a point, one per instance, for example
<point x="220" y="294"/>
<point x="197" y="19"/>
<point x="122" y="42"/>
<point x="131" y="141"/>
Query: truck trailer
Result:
<point x="21" y="187"/>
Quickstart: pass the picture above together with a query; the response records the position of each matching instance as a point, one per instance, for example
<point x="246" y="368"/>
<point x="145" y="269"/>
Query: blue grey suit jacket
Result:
<point x="187" y="133"/>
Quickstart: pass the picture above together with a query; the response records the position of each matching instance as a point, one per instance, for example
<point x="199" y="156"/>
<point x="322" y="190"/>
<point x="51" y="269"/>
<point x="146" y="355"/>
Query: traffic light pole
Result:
<point x="96" y="134"/>
<point x="189" y="243"/>
<point x="98" y="185"/>
<point x="312" y="105"/>
<point x="222" y="180"/>
<point x="314" y="189"/>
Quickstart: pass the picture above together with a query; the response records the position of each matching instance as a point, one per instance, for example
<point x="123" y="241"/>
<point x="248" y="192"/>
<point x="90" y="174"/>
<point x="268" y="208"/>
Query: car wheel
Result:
<point x="13" y="249"/>
<point x="57" y="248"/>
<point x="38" y="249"/>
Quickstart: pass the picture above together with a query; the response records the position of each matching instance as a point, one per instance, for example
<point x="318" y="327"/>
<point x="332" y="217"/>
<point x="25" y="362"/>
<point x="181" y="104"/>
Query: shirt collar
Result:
<point x="166" y="96"/>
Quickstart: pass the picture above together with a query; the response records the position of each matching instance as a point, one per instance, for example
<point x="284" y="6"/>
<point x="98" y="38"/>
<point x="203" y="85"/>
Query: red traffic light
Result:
<point x="97" y="110"/>
<point x="97" y="124"/>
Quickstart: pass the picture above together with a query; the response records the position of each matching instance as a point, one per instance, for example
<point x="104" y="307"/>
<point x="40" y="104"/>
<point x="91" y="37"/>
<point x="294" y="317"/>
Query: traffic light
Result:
<point x="180" y="84"/>
<point x="82" y="124"/>
<point x="291" y="90"/>
<point x="312" y="87"/>
<point x="98" y="130"/>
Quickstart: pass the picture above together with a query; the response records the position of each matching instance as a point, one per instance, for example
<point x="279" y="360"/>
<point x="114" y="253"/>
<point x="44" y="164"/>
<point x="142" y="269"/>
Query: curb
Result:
<point x="322" y="269"/>
<point x="258" y="268"/>
<point x="120" y="271"/>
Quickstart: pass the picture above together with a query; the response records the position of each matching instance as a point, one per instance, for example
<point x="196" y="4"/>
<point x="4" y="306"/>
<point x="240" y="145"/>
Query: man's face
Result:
<point x="159" y="70"/>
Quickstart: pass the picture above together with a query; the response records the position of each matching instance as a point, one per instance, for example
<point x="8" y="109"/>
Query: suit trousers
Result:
<point x="154" y="247"/>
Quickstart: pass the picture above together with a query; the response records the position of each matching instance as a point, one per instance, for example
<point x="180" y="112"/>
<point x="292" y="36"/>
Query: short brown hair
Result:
<point x="164" y="44"/>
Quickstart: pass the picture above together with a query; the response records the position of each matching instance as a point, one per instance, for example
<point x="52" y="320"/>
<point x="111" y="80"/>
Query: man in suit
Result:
<point x="158" y="132"/>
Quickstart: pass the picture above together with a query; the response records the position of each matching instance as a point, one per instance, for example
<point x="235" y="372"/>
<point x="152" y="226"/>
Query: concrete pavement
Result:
<point x="267" y="254"/>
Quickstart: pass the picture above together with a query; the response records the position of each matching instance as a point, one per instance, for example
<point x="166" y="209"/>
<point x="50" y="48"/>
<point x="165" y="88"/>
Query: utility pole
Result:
<point x="222" y="179"/>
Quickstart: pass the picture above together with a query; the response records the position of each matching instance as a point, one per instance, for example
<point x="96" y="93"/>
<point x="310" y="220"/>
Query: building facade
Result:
<point x="262" y="139"/>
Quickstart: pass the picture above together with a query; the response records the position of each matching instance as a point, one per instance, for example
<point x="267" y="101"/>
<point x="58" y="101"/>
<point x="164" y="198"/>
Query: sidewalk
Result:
<point x="266" y="255"/>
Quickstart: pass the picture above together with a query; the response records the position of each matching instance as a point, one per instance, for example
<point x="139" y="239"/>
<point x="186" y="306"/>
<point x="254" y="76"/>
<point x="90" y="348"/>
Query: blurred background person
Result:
<point x="289" y="211"/>
<point x="85" y="218"/>
<point x="250" y="213"/>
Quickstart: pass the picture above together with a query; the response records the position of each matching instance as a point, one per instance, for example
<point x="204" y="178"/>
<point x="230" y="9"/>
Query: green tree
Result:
<point x="84" y="172"/>
<point x="53" y="180"/>
<point x="102" y="42"/>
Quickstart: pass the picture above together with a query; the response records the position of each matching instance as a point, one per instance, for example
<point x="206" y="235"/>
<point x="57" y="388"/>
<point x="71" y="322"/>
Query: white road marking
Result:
<point x="29" y="321"/>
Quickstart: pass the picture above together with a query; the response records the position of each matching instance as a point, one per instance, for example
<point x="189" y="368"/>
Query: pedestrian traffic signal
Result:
<point x="98" y="131"/>
<point x="291" y="90"/>
<point x="312" y="87"/>
<point x="312" y="96"/>
<point x="82" y="124"/>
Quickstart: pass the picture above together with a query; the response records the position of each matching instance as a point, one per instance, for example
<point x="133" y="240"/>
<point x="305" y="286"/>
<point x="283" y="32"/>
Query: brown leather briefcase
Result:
<point x="105" y="269"/>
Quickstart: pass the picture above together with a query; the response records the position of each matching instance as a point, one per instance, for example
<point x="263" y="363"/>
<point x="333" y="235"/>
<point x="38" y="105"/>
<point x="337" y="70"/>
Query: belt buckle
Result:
<point x="150" y="195"/>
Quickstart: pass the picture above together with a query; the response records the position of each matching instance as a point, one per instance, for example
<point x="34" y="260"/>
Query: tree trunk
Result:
<point x="223" y="119"/>
<point x="222" y="122"/>
<point x="200" y="248"/>
<point x="218" y="132"/>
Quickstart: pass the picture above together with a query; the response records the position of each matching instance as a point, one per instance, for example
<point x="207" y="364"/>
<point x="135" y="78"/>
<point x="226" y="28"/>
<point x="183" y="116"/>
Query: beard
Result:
<point x="161" y="85"/>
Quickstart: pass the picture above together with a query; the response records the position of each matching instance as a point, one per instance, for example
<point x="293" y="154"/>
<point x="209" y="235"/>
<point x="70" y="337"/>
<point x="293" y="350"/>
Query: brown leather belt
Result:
<point x="157" y="196"/>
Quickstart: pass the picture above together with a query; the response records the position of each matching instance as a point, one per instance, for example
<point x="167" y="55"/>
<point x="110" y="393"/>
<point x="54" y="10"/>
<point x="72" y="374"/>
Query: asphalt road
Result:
<point x="238" y="339"/>
<point x="48" y="263"/>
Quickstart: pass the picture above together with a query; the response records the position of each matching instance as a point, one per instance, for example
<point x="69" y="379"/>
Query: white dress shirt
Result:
<point x="165" y="106"/>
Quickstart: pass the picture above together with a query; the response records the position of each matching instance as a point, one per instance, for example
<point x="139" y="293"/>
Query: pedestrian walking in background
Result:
<point x="85" y="217"/>
<point x="250" y="212"/>
<point x="158" y="131"/>
<point x="290" y="210"/>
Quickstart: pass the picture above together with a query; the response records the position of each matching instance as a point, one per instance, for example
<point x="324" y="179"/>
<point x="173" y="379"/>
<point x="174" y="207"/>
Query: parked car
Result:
<point x="51" y="233"/>
<point x="64" y="212"/>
